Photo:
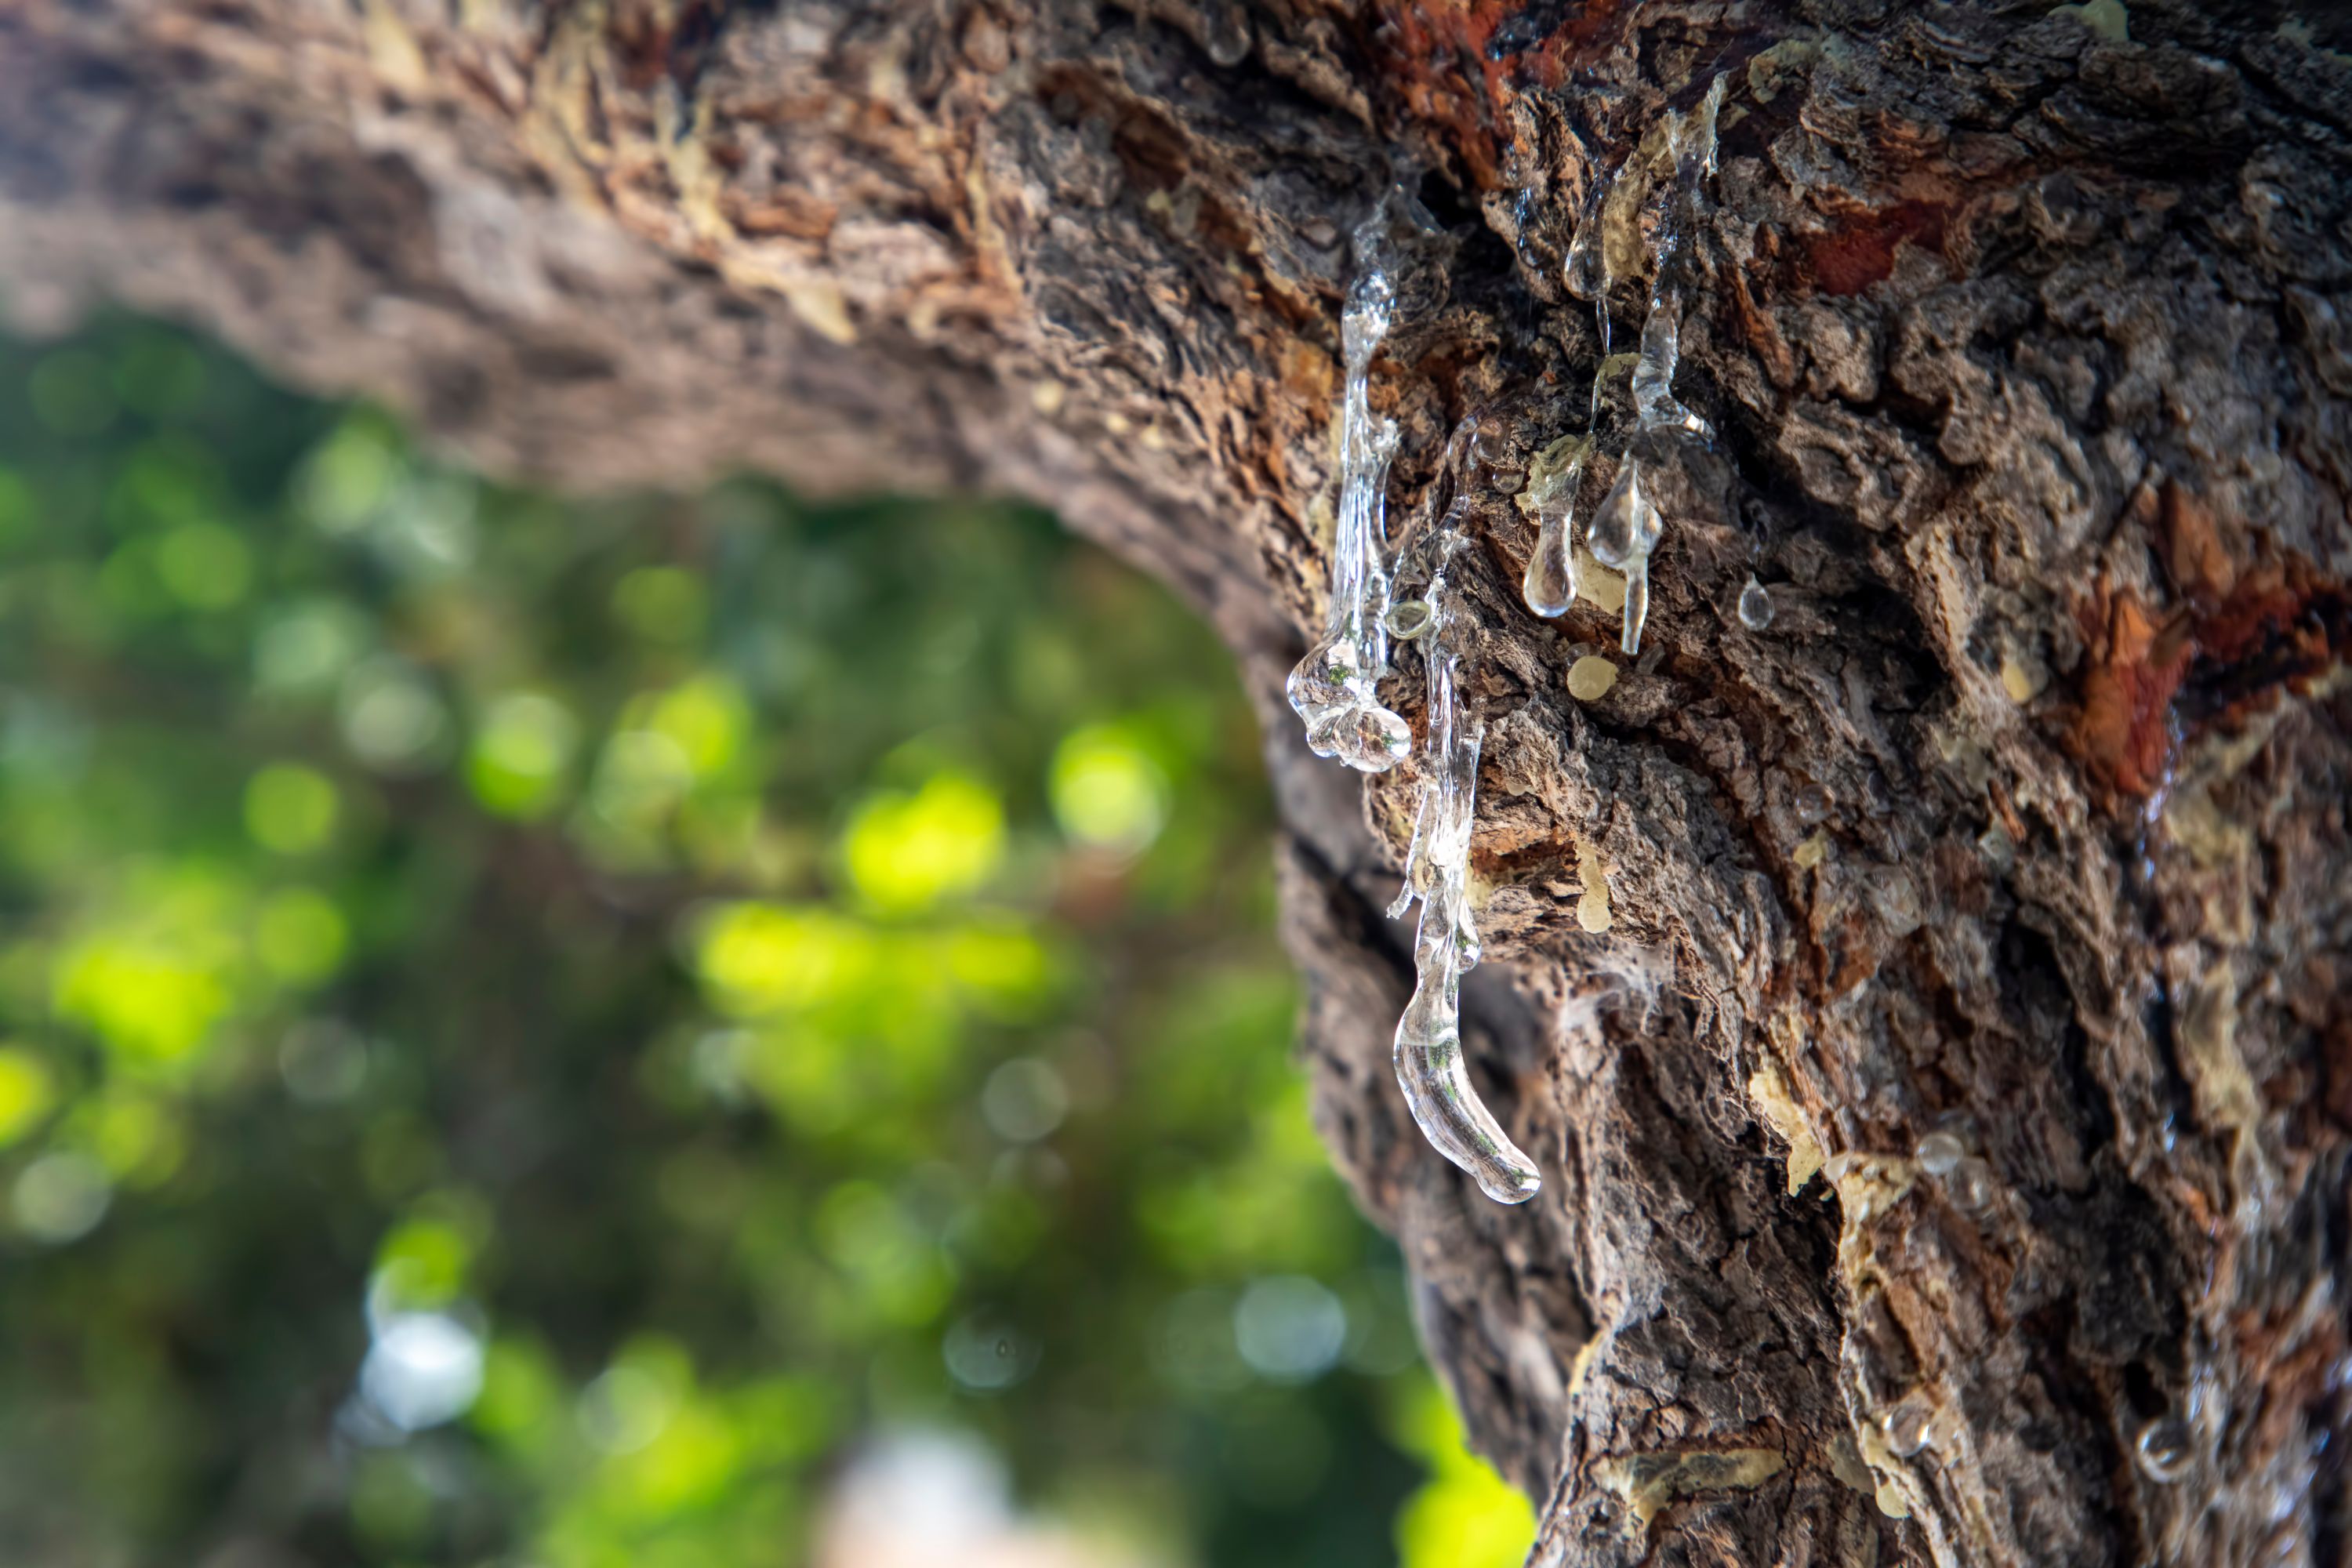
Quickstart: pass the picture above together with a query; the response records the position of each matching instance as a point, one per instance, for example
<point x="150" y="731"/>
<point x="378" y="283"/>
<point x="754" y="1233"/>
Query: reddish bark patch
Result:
<point x="2150" y="684"/>
<point x="1552" y="41"/>
<point x="2195" y="557"/>
<point x="2123" y="730"/>
<point x="1456" y="65"/>
<point x="1850" y="259"/>
<point x="2283" y="625"/>
<point x="1438" y="68"/>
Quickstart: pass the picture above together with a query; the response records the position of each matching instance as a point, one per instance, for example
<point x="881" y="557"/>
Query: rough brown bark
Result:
<point x="2026" y="815"/>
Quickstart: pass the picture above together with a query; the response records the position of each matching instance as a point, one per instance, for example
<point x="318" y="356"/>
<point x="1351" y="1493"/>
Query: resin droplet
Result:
<point x="1619" y="530"/>
<point x="1550" y="584"/>
<point x="2165" y="1450"/>
<point x="1325" y="681"/>
<point x="1939" y="1153"/>
<point x="1225" y="32"/>
<point x="1908" y="1428"/>
<point x="1812" y="804"/>
<point x="1407" y="619"/>
<point x="1590" y="678"/>
<point x="1366" y="737"/>
<point x="1625" y="531"/>
<point x="1755" y="605"/>
<point x="1972" y="1186"/>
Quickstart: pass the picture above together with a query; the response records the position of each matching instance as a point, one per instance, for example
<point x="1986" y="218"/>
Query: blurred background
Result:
<point x="695" y="1031"/>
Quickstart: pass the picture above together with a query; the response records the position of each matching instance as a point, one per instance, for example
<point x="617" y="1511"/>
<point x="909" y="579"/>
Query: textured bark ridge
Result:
<point x="2024" y="820"/>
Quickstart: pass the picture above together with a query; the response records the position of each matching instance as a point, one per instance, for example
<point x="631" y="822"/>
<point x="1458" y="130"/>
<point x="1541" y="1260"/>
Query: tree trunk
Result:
<point x="2023" y="820"/>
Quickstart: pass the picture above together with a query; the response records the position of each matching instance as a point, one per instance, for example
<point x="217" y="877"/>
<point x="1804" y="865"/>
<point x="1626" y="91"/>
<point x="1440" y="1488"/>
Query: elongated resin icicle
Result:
<point x="1428" y="1064"/>
<point x="1332" y="688"/>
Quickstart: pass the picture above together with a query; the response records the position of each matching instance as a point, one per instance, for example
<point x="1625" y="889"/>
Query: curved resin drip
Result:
<point x="1429" y="1063"/>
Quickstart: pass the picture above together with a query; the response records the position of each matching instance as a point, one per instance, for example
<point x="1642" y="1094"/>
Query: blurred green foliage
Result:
<point x="531" y="1030"/>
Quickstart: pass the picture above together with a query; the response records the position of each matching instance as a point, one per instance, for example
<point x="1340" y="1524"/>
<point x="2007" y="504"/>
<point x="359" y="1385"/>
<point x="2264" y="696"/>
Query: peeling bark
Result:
<point x="2024" y="819"/>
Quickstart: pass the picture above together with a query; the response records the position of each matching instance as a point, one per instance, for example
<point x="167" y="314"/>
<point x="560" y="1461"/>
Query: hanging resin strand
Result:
<point x="1332" y="688"/>
<point x="1692" y="140"/>
<point x="1549" y="585"/>
<point x="1628" y="526"/>
<point x="1429" y="1064"/>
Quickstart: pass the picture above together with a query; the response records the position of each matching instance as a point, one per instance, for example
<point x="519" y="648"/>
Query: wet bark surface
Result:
<point x="2024" y="819"/>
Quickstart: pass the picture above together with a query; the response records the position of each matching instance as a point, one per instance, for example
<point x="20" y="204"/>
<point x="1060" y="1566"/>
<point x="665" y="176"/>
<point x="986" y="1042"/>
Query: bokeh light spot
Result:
<point x="425" y="1368"/>
<point x="1289" y="1328"/>
<point x="204" y="566"/>
<point x="392" y="719"/>
<point x="324" y="1061"/>
<point x="907" y="852"/>
<point x="1107" y="792"/>
<point x="299" y="934"/>
<point x="520" y="754"/>
<point x="348" y="475"/>
<point x="1464" y="1515"/>
<point x="60" y="1197"/>
<point x="987" y="1355"/>
<point x="1024" y="1100"/>
<point x="146" y="997"/>
<point x="289" y="808"/>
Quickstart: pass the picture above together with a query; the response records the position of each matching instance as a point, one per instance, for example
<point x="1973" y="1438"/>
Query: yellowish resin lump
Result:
<point x="1589" y="678"/>
<point x="1592" y="910"/>
<point x="1603" y="586"/>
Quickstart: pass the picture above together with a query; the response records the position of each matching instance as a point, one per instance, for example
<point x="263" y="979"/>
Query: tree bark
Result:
<point x="2024" y="819"/>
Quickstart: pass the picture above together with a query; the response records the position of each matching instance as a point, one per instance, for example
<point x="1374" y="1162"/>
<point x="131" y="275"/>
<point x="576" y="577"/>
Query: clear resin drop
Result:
<point x="1549" y="583"/>
<point x="2165" y="1450"/>
<point x="1939" y="1153"/>
<point x="1755" y="605"/>
<point x="1324" y="683"/>
<point x="1370" y="739"/>
<point x="1909" y="1428"/>
<point x="1625" y="531"/>
<point x="1972" y="1186"/>
<point x="1583" y="272"/>
<point x="1407" y="619"/>
<point x="1225" y="32"/>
